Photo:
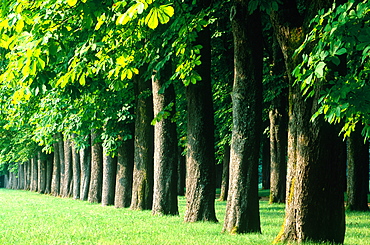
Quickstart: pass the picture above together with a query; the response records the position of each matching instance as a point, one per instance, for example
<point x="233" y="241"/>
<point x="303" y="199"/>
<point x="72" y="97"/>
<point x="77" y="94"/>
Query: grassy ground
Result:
<point x="31" y="218"/>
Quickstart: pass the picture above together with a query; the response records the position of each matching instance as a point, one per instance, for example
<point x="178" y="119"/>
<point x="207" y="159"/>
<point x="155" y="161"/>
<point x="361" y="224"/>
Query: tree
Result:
<point x="95" y="186"/>
<point x="85" y="161"/>
<point x="109" y="178"/>
<point x="76" y="170"/>
<point x="68" y="168"/>
<point x="165" y="145"/>
<point x="314" y="199"/>
<point x="125" y="164"/>
<point x="200" y="165"/>
<point x="242" y="210"/>
<point x="142" y="188"/>
<point x="358" y="169"/>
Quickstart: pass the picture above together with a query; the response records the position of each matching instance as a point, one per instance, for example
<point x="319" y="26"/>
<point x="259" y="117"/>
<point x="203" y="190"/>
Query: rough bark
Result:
<point x="181" y="172"/>
<point x="278" y="116"/>
<point x="225" y="174"/>
<point x="109" y="178"/>
<point x="68" y="175"/>
<point x="200" y="161"/>
<point x="125" y="165"/>
<point x="27" y="175"/>
<point x="34" y="173"/>
<point x="61" y="161"/>
<point x="165" y="149"/>
<point x="142" y="187"/>
<point x="85" y="161"/>
<point x="76" y="170"/>
<point x="358" y="172"/>
<point x="49" y="172"/>
<point x="55" y="182"/>
<point x="315" y="175"/>
<point x="95" y="187"/>
<point x="41" y="172"/>
<point x="21" y="176"/>
<point x="242" y="210"/>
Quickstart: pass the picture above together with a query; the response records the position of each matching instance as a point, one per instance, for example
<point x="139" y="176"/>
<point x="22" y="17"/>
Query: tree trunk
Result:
<point x="49" y="172"/>
<point x="55" y="182"/>
<point x="225" y="174"/>
<point x="266" y="162"/>
<point x="109" y="178"/>
<point x="76" y="170"/>
<point x="315" y="174"/>
<point x="142" y="188"/>
<point x="181" y="172"/>
<point x="61" y="161"/>
<point x="200" y="161"/>
<point x="85" y="161"/>
<point x="41" y="172"/>
<point x="21" y="176"/>
<point x="95" y="188"/>
<point x="165" y="148"/>
<point x="358" y="172"/>
<point x="68" y="175"/>
<point x="278" y="116"/>
<point x="242" y="210"/>
<point x="125" y="165"/>
<point x="27" y="174"/>
<point x="34" y="172"/>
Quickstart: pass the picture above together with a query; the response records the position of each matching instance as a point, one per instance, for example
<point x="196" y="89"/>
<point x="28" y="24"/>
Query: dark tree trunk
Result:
<point x="41" y="172"/>
<point x="315" y="175"/>
<point x="181" y="172"/>
<point x="55" y="182"/>
<point x="49" y="172"/>
<point x="34" y="172"/>
<point x="225" y="174"/>
<point x="125" y="165"/>
<point x="266" y="162"/>
<point x="85" y="161"/>
<point x="358" y="172"/>
<point x="242" y="210"/>
<point x="165" y="148"/>
<point x="95" y="188"/>
<point x="109" y="178"/>
<point x="142" y="188"/>
<point x="76" y="169"/>
<point x="278" y="116"/>
<point x="61" y="161"/>
<point x="200" y="161"/>
<point x="68" y="175"/>
<point x="21" y="176"/>
<point x="27" y="174"/>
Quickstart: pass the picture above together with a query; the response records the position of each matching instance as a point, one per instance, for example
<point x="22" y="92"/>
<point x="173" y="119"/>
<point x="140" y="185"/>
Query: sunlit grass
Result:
<point x="31" y="218"/>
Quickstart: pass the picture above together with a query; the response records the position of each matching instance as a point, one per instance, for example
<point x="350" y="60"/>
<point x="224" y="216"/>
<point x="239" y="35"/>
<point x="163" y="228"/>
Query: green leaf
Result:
<point x="341" y="51"/>
<point x="319" y="70"/>
<point x="152" y="18"/>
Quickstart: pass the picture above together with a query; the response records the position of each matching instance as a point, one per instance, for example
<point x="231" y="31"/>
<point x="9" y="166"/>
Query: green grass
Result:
<point x="31" y="218"/>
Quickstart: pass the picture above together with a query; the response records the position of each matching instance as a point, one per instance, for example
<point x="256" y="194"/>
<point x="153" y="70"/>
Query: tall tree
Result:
<point x="41" y="172"/>
<point x="76" y="170"/>
<point x="109" y="178"/>
<point x="85" y="161"/>
<point x="242" y="210"/>
<point x="315" y="204"/>
<point x="125" y="165"/>
<point x="358" y="172"/>
<point x="225" y="174"/>
<point x="278" y="116"/>
<point x="95" y="187"/>
<point x="165" y="146"/>
<point x="200" y="161"/>
<point x="142" y="188"/>
<point x="68" y="167"/>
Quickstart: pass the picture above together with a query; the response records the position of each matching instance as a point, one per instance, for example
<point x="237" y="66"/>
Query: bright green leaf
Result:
<point x="319" y="70"/>
<point x="72" y="2"/>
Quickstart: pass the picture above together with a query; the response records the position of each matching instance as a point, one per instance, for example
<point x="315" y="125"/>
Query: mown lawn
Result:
<point x="31" y="218"/>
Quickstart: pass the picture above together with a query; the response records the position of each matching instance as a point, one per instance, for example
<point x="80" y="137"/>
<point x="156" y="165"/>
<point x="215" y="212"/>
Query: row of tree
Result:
<point x="93" y="105"/>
